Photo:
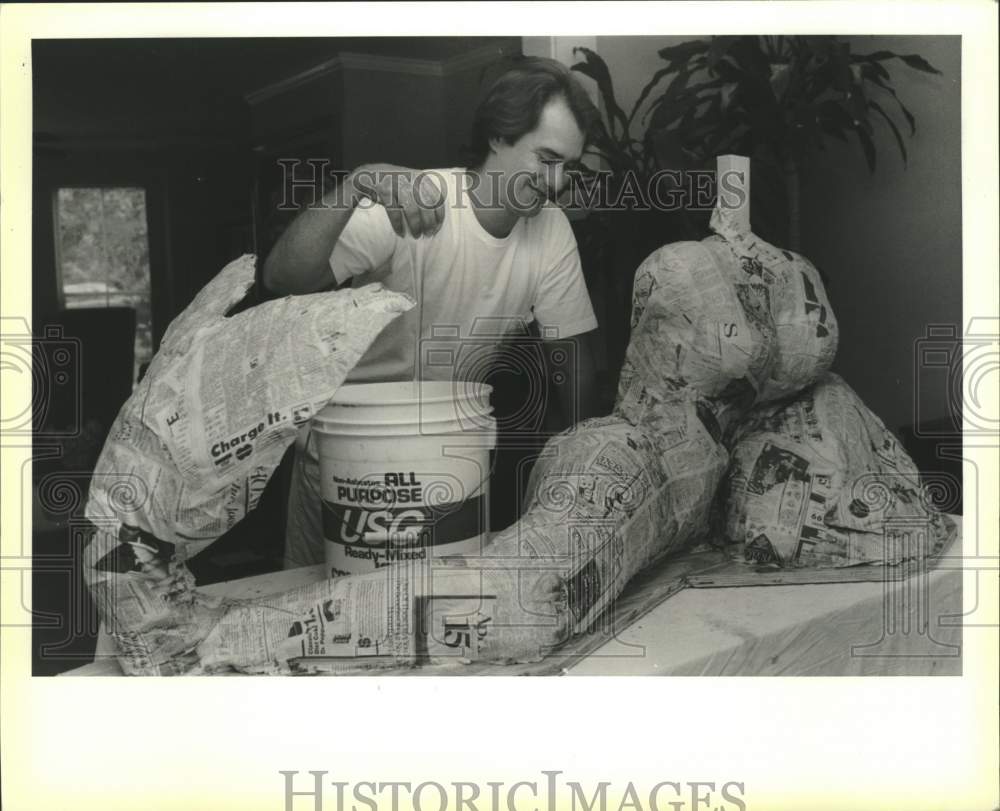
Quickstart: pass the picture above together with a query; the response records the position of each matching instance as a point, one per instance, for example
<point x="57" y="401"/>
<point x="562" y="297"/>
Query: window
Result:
<point x="102" y="250"/>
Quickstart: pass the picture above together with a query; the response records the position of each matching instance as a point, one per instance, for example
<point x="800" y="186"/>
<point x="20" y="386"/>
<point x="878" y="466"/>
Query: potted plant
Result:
<point x="776" y="99"/>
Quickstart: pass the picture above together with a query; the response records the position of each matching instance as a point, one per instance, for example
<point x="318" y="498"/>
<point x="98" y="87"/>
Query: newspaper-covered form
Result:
<point x="610" y="496"/>
<point x="693" y="331"/>
<point x="604" y="501"/>
<point x="147" y="602"/>
<point x="731" y="318"/>
<point x="820" y="481"/>
<point x="805" y="327"/>
<point x="510" y="604"/>
<point x="717" y="326"/>
<point x="339" y="625"/>
<point x="193" y="448"/>
<point x="640" y="491"/>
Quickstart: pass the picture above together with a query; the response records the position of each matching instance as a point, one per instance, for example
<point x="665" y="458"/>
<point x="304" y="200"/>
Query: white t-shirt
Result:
<point x="471" y="288"/>
<point x="467" y="283"/>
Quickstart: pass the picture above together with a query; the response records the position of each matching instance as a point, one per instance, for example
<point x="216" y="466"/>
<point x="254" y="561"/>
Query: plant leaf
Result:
<point x="834" y="119"/>
<point x="840" y="67"/>
<point x="667" y="114"/>
<point x="669" y="150"/>
<point x="610" y="150"/>
<point x="749" y="56"/>
<point x="727" y="71"/>
<point x="836" y="133"/>
<point x="859" y="107"/>
<point x="649" y="88"/>
<point x="917" y="62"/>
<point x="902" y="107"/>
<point x="892" y="125"/>
<point x="683" y="51"/>
<point x="872" y="69"/>
<point x="867" y="146"/>
<point x="597" y="69"/>
<point x="740" y="67"/>
<point x="727" y="140"/>
<point x="677" y="84"/>
<point x="669" y="107"/>
<point x="719" y="48"/>
<point x="877" y="56"/>
<point x="708" y="121"/>
<point x="780" y="78"/>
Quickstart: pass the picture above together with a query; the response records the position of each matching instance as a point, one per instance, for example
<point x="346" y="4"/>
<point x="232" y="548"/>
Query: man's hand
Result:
<point x="300" y="260"/>
<point x="413" y="199"/>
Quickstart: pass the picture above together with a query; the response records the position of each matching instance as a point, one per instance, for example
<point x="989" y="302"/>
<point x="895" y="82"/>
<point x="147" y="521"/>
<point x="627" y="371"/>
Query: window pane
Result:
<point x="104" y="255"/>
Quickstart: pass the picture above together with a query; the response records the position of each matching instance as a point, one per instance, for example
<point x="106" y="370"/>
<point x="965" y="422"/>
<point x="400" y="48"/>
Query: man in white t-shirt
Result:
<point x="482" y="250"/>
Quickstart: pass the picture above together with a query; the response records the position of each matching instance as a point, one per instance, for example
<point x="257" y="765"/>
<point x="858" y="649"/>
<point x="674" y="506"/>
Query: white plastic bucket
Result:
<point x="404" y="471"/>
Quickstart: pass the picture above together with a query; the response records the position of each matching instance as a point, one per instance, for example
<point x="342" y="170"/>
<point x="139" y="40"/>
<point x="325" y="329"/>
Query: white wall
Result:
<point x="632" y="61"/>
<point x="891" y="242"/>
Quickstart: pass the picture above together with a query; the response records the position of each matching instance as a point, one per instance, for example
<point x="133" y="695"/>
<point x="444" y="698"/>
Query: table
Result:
<point x="699" y="615"/>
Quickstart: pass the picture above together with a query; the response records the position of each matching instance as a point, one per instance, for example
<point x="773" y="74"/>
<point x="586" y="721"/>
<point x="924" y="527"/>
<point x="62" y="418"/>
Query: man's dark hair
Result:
<point x="512" y="104"/>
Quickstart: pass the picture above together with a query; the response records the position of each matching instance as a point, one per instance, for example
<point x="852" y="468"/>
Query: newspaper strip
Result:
<point x="338" y="625"/>
<point x="820" y="481"/>
<point x="147" y="602"/>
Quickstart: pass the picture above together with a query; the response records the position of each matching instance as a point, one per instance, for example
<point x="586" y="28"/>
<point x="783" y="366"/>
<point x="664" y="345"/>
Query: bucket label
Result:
<point x="386" y="521"/>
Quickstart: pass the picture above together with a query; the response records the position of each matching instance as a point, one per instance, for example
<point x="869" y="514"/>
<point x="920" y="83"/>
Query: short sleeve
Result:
<point x="562" y="305"/>
<point x="366" y="243"/>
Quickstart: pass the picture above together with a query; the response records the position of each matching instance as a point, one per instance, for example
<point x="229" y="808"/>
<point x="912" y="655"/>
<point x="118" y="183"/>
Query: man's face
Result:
<point x="534" y="166"/>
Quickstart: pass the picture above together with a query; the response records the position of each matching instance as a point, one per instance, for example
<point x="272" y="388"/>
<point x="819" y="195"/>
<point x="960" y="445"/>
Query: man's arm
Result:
<point x="573" y="377"/>
<point x="299" y="261"/>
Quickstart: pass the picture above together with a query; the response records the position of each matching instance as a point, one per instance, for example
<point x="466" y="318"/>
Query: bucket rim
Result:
<point x="484" y="390"/>
<point x="409" y="430"/>
<point x="487" y="419"/>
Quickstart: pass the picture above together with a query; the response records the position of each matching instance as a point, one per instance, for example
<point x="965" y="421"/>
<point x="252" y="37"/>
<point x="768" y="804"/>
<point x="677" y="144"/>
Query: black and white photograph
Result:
<point x="430" y="350"/>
